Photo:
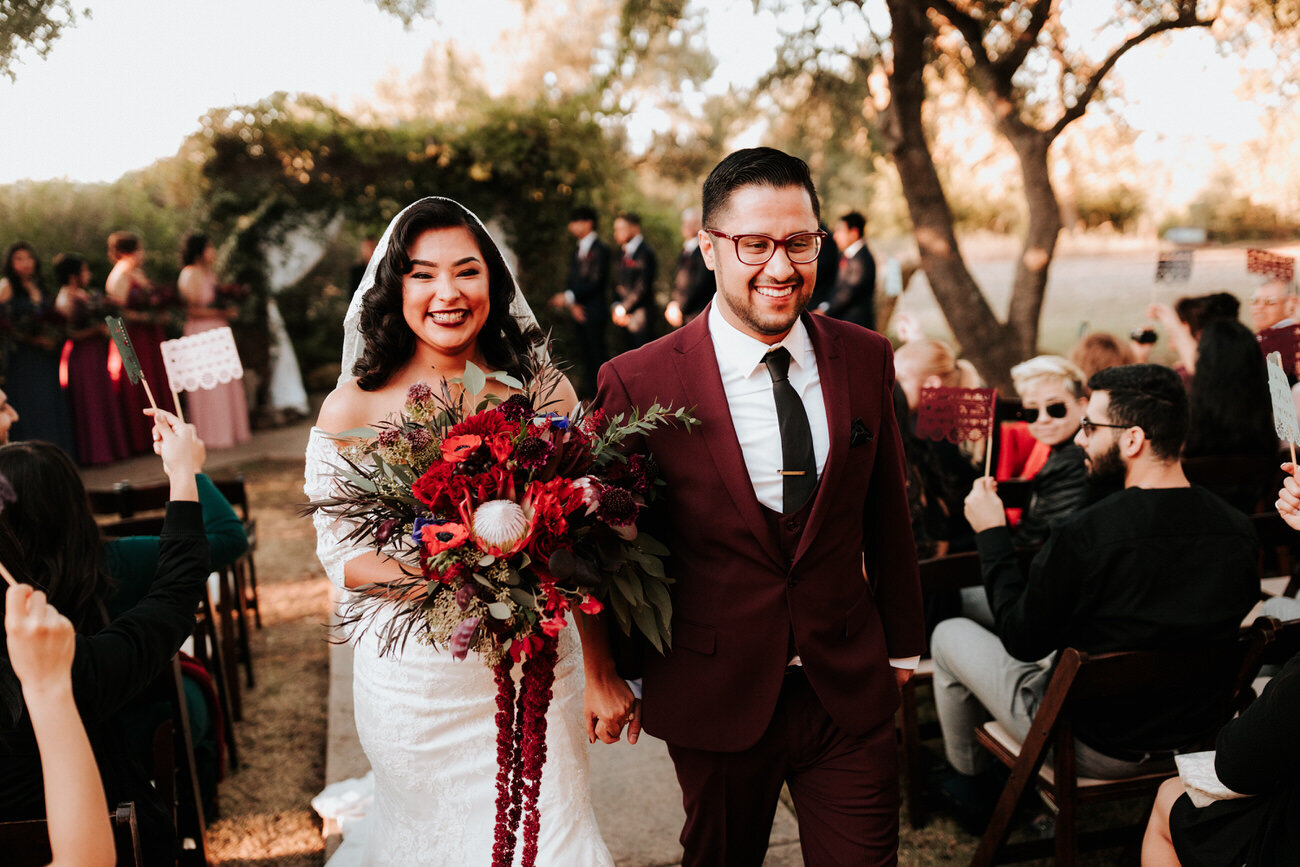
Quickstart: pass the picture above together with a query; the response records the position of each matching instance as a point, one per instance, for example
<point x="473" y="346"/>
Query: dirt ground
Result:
<point x="264" y="813"/>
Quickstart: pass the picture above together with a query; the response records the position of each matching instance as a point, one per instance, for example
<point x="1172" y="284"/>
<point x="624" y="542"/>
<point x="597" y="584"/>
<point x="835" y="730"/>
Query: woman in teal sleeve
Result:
<point x="53" y="518"/>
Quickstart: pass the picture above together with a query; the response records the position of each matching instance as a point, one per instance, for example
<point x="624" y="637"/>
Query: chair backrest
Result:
<point x="27" y="844"/>
<point x="955" y="571"/>
<point x="236" y="493"/>
<point x="126" y="500"/>
<point x="151" y="526"/>
<point x="1220" y="672"/>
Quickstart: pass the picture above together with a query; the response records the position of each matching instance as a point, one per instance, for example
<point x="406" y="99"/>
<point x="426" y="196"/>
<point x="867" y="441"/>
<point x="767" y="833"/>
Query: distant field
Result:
<point x="1107" y="287"/>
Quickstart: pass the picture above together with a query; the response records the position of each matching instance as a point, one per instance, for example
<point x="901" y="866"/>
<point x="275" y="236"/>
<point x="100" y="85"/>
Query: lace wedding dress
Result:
<point x="426" y="722"/>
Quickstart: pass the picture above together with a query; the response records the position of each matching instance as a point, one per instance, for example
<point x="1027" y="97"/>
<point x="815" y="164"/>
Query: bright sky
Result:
<point x="126" y="87"/>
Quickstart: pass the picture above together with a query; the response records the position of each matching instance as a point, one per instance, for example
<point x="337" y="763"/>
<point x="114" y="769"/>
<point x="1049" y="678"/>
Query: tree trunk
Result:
<point x="985" y="341"/>
<point x="1030" y="284"/>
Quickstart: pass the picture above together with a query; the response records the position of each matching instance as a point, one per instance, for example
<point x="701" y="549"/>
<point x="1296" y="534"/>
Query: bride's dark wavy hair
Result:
<point x="389" y="341"/>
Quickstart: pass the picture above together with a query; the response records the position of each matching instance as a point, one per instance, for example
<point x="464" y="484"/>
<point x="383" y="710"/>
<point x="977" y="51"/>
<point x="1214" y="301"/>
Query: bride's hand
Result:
<point x="608" y="705"/>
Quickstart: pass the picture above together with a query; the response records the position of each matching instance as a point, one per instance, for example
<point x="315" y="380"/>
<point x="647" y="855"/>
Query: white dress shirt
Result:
<point x="584" y="245"/>
<point x="748" y="388"/>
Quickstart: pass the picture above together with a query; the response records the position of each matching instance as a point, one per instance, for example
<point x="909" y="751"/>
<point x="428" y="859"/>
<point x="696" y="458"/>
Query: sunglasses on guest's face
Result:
<point x="1055" y="410"/>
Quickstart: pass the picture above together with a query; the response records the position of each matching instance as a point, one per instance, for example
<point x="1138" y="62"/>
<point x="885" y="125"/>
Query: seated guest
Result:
<point x="1156" y="564"/>
<point x="1257" y="754"/>
<point x="1272" y="306"/>
<point x="41" y="644"/>
<point x="1096" y="352"/>
<point x="939" y="474"/>
<point x="1054" y="399"/>
<point x="1231" y="409"/>
<point x="1184" y="322"/>
<point x="113" y="661"/>
<point x="8" y="415"/>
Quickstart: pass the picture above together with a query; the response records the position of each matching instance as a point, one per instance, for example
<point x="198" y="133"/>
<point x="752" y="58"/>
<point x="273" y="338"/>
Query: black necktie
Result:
<point x="799" y="464"/>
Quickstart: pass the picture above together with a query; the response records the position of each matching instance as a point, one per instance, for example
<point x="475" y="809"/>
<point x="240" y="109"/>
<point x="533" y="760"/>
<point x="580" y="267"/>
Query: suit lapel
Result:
<point x="697" y="367"/>
<point x="833" y="371"/>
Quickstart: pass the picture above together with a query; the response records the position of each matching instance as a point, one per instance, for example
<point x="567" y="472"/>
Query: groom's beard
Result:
<point x="771" y="324"/>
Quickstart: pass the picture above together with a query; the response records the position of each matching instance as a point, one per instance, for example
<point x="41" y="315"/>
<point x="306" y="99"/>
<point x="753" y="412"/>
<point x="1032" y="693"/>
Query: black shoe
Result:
<point x="970" y="799"/>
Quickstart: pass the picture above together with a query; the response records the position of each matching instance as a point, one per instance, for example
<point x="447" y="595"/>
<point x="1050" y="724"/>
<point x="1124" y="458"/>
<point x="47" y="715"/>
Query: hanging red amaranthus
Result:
<point x="521" y="751"/>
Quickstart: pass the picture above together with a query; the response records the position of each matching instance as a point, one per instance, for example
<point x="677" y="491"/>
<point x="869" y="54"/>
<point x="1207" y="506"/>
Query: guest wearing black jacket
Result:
<point x="634" y="287"/>
<point x="116" y="662"/>
<point x="693" y="283"/>
<point x="585" y="294"/>
<point x="853" y="297"/>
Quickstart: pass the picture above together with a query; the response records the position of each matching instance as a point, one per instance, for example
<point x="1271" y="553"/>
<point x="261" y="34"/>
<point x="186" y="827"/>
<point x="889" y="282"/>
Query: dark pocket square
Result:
<point x="860" y="434"/>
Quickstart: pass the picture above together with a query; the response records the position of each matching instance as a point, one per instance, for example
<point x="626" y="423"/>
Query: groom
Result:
<point x="797" y="607"/>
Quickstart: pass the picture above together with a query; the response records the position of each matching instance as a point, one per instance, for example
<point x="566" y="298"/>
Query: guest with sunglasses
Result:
<point x="1054" y="400"/>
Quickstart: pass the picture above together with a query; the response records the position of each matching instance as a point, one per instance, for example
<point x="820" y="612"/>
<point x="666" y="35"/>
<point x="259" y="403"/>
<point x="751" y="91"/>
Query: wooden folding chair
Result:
<point x="175" y="771"/>
<point x="27" y="844"/>
<point x="1222" y="673"/>
<point x="939" y="576"/>
<point x="235" y="491"/>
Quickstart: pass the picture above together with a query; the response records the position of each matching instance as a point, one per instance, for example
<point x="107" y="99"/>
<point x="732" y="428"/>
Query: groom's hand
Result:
<point x="902" y="676"/>
<point x="608" y="705"/>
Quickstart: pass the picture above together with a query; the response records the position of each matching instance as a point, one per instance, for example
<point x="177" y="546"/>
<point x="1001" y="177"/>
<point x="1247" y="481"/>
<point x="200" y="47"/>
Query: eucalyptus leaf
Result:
<point x="658" y="596"/>
<point x="523" y="598"/>
<point x="620" y="606"/>
<point x="487" y="560"/>
<point x="650" y="545"/>
<point x="645" y="621"/>
<point x="499" y="610"/>
<point x="653" y="566"/>
<point x="474" y="380"/>
<point x="506" y="379"/>
<point x="486" y="583"/>
<point x="354" y="433"/>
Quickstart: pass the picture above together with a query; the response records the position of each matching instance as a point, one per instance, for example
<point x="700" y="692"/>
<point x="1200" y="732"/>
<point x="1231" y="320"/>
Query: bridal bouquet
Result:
<point x="515" y="515"/>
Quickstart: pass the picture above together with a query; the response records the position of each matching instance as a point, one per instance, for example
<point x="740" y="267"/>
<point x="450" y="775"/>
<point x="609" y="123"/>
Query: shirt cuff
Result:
<point x="635" y="686"/>
<point x="910" y="663"/>
<point x="569" y="297"/>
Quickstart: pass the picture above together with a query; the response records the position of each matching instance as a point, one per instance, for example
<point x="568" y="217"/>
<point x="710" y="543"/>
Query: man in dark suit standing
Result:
<point x="693" y="285"/>
<point x="634" y="288"/>
<point x="584" y="294"/>
<point x="796" y="602"/>
<point x="853" y="298"/>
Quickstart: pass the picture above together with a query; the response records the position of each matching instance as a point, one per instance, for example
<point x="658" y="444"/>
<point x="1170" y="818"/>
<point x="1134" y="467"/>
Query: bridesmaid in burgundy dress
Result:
<point x="96" y="413"/>
<point x="128" y="288"/>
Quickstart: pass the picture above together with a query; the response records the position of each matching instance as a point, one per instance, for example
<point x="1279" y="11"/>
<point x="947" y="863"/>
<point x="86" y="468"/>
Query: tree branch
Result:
<point x="970" y="29"/>
<point x="1185" y="20"/>
<point x="1028" y="38"/>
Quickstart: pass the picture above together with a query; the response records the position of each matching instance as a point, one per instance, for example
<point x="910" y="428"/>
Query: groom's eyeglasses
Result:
<point x="1055" y="410"/>
<point x="755" y="249"/>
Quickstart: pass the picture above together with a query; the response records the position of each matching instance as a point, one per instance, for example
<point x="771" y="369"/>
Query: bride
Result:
<point x="438" y="294"/>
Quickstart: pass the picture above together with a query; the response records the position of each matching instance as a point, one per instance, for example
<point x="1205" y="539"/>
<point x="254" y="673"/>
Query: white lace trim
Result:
<point x="202" y="360"/>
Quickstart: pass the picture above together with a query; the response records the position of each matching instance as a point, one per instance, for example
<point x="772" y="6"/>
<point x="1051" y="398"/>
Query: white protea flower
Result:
<point x="500" y="524"/>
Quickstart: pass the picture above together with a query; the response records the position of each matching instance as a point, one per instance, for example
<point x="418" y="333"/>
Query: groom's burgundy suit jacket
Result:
<point x="849" y="598"/>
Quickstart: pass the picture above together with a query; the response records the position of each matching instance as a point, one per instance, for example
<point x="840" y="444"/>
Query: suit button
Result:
<point x="792" y="524"/>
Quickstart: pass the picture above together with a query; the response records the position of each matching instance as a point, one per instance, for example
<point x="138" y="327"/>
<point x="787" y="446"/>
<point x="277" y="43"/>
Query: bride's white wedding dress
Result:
<point x="427" y="724"/>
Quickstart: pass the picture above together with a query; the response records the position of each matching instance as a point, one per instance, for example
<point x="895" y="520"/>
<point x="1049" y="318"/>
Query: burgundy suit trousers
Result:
<point x="845" y="790"/>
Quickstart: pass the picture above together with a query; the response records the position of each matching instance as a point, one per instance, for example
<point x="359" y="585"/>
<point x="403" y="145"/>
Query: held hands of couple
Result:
<point x="608" y="705"/>
<point x="984" y="509"/>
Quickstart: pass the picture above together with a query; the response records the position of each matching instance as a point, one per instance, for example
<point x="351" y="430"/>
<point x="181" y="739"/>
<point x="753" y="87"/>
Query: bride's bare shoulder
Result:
<point x="348" y="407"/>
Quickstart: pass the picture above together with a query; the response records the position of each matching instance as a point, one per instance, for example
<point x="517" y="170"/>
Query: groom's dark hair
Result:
<point x="766" y="167"/>
<point x="389" y="341"/>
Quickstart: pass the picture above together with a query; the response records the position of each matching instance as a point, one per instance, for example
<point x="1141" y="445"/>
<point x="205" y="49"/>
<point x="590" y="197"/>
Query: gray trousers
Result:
<point x="975" y="680"/>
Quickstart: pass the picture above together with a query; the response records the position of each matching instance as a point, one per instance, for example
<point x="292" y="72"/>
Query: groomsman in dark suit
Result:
<point x="584" y="294"/>
<point x="693" y="286"/>
<point x="854" y="297"/>
<point x="634" y="286"/>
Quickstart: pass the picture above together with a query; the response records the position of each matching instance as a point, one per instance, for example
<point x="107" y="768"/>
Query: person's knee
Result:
<point x="1170" y="791"/>
<point x="951" y="641"/>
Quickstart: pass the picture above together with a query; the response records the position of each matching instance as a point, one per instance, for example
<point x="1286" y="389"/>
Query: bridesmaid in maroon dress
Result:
<point x="96" y="414"/>
<point x="128" y="288"/>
